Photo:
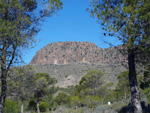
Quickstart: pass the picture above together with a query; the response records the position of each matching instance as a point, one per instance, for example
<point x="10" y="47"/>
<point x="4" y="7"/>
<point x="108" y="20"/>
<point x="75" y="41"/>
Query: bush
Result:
<point x="50" y="101"/>
<point x="76" y="101"/>
<point x="43" y="106"/>
<point x="32" y="105"/>
<point x="92" y="101"/>
<point x="62" y="99"/>
<point x="11" y="106"/>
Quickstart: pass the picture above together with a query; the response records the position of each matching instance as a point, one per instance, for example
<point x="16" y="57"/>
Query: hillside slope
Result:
<point x="68" y="62"/>
<point x="71" y="74"/>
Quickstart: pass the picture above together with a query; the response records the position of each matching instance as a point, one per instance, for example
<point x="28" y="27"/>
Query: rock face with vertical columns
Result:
<point x="62" y="53"/>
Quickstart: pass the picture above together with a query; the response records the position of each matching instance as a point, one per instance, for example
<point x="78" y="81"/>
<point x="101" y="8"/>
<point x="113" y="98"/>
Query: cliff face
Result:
<point x="73" y="59"/>
<point x="75" y="52"/>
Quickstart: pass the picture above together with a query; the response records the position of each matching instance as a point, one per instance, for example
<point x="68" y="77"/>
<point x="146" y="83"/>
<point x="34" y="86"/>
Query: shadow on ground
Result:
<point x="128" y="109"/>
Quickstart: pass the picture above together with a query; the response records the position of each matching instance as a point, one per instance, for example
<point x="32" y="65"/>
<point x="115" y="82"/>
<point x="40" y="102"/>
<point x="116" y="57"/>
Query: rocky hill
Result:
<point x="68" y="62"/>
<point x="75" y="52"/>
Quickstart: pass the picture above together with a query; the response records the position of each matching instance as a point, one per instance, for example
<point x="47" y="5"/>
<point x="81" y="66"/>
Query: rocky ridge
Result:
<point x="75" y="52"/>
<point x="68" y="62"/>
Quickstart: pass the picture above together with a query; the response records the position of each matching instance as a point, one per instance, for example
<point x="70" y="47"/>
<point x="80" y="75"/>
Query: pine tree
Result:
<point x="20" y="21"/>
<point x="42" y="81"/>
<point x="129" y="21"/>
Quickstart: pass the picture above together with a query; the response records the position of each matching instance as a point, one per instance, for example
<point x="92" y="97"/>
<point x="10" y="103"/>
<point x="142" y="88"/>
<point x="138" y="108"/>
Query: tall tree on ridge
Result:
<point x="129" y="20"/>
<point x="19" y="23"/>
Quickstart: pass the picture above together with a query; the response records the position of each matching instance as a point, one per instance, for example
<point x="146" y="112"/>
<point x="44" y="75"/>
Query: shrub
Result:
<point x="62" y="99"/>
<point x="75" y="101"/>
<point x="51" y="102"/>
<point x="43" y="106"/>
<point x="32" y="105"/>
<point x="92" y="101"/>
<point x="11" y="106"/>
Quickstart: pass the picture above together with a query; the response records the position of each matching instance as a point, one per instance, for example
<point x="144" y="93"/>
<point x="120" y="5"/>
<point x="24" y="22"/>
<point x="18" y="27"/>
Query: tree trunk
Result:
<point x="135" y="94"/>
<point x="4" y="70"/>
<point x="22" y="105"/>
<point x="38" y="109"/>
<point x="3" y="90"/>
<point x="3" y="78"/>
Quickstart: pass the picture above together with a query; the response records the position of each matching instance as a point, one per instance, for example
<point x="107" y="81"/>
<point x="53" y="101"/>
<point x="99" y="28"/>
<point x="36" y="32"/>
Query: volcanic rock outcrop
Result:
<point x="62" y="53"/>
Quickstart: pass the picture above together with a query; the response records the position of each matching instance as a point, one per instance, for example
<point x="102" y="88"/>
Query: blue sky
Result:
<point x="72" y="24"/>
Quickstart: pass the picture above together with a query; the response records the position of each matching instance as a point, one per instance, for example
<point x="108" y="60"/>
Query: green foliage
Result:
<point x="20" y="21"/>
<point x="88" y="101"/>
<point x="145" y="84"/>
<point x="78" y="89"/>
<point x="92" y="90"/>
<point x="42" y="81"/>
<point x="49" y="79"/>
<point x="21" y="81"/>
<point x="32" y="105"/>
<point x="62" y="99"/>
<point x="124" y="18"/>
<point x="110" y="96"/>
<point x="75" y="101"/>
<point x="123" y="87"/>
<point x="92" y="101"/>
<point x="93" y="83"/>
<point x="53" y="90"/>
<point x="128" y="21"/>
<point x="43" y="106"/>
<point x="146" y="79"/>
<point x="11" y="106"/>
<point x="50" y="100"/>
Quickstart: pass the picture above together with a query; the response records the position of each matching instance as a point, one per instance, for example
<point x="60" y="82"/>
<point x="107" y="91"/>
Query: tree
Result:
<point x="49" y="79"/>
<point x="123" y="87"/>
<point x="42" y="81"/>
<point x="20" y="21"/>
<point x="21" y="83"/>
<point x="93" y="83"/>
<point x="129" y="21"/>
<point x="62" y="99"/>
<point x="92" y="101"/>
<point x="75" y="101"/>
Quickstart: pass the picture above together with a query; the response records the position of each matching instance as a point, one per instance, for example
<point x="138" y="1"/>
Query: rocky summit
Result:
<point x="75" y="52"/>
<point x="68" y="62"/>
